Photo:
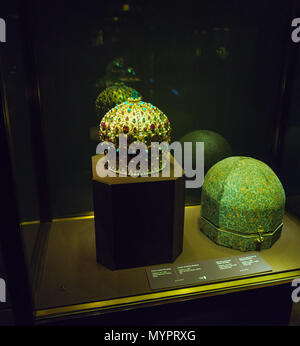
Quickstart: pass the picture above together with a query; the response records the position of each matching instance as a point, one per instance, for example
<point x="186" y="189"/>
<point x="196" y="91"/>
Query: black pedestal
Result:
<point x="138" y="221"/>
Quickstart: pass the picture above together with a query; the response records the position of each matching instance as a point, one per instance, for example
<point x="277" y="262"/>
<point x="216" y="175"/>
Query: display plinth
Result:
<point x="138" y="221"/>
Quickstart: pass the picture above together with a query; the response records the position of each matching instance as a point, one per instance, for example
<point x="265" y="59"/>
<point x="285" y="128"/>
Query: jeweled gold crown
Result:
<point x="139" y="120"/>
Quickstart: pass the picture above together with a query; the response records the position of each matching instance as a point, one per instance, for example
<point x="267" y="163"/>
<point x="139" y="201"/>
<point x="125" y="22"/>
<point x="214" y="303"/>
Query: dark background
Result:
<point x="176" y="44"/>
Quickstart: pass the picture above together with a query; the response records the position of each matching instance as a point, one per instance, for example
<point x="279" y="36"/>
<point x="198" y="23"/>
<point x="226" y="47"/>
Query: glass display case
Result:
<point x="222" y="73"/>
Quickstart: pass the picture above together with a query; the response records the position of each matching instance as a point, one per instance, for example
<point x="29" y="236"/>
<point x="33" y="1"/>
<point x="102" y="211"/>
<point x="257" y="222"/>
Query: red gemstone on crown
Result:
<point x="125" y="129"/>
<point x="152" y="126"/>
<point x="103" y="125"/>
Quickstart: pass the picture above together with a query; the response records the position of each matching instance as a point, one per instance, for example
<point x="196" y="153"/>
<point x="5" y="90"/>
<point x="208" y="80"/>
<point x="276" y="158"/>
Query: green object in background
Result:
<point x="216" y="148"/>
<point x="112" y="96"/>
<point x="242" y="204"/>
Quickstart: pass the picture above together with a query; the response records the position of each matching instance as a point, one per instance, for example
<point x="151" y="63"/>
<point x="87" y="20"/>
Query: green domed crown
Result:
<point x="113" y="95"/>
<point x="242" y="204"/>
<point x="216" y="148"/>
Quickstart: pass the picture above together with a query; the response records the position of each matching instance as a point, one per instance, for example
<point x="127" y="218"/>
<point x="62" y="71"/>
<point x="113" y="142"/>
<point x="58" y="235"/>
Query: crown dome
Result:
<point x="139" y="120"/>
<point x="241" y="198"/>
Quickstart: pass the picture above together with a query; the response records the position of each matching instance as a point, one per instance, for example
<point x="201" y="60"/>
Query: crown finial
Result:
<point x="134" y="97"/>
<point x="134" y="94"/>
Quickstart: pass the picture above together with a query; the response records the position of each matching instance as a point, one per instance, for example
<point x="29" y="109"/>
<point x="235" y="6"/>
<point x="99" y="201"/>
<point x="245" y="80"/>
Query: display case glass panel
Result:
<point x="216" y="69"/>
